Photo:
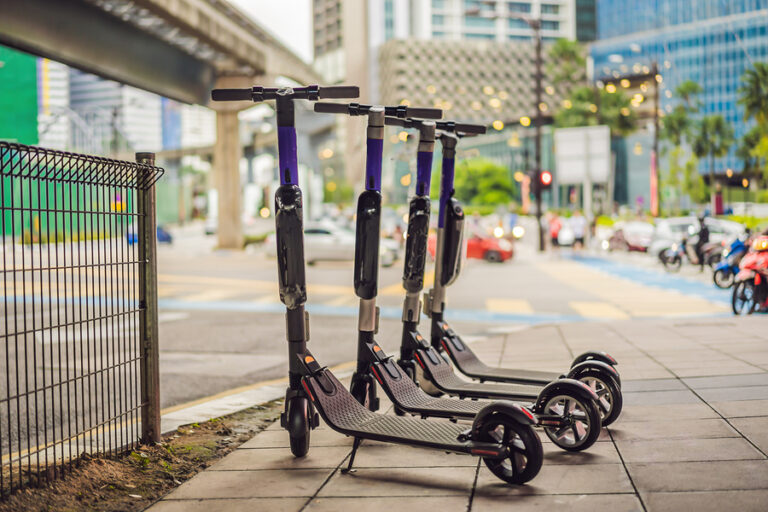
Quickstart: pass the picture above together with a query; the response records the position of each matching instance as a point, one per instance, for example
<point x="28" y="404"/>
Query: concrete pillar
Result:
<point x="226" y="161"/>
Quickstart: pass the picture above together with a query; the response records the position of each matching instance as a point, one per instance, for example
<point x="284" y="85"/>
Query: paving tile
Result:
<point x="679" y="450"/>
<point x="379" y="455"/>
<point x="560" y="479"/>
<point x="279" y="439"/>
<point x="741" y="408"/>
<point x="660" y="397"/>
<point x="754" y="379"/>
<point x="629" y="386"/>
<point x="755" y="429"/>
<point x="231" y="505"/>
<point x="653" y="412"/>
<point x="671" y="429"/>
<point x="252" y="484"/>
<point x="282" y="458"/>
<point x="571" y="503"/>
<point x="700" y="476"/>
<point x="743" y="501"/>
<point x="401" y="482"/>
<point x="389" y="503"/>
<point x="734" y="393"/>
<point x="723" y="369"/>
<point x="598" y="453"/>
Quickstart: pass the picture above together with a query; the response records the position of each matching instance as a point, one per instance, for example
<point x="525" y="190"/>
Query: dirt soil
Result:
<point x="137" y="479"/>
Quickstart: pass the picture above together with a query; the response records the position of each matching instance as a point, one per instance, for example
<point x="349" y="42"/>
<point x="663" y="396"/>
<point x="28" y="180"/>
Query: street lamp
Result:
<point x="535" y="25"/>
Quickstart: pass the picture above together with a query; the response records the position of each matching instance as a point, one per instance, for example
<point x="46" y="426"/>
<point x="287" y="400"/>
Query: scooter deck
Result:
<point x="409" y="397"/>
<point x="441" y="374"/>
<point x="469" y="364"/>
<point x="346" y="415"/>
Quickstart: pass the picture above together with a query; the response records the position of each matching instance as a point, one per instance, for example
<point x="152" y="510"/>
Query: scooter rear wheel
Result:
<point x="525" y="451"/>
<point x="673" y="264"/>
<point x="582" y="418"/>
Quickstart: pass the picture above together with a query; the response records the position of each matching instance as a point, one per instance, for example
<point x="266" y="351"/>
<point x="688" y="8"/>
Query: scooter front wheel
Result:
<point x="608" y="392"/>
<point x="525" y="451"/>
<point x="673" y="264"/>
<point x="299" y="425"/>
<point x="580" y="422"/>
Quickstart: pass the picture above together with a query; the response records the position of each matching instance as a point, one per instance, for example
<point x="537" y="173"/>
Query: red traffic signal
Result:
<point x="545" y="179"/>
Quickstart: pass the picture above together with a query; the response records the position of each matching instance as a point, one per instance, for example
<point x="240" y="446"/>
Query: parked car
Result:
<point x="631" y="236"/>
<point x="326" y="241"/>
<point x="486" y="248"/>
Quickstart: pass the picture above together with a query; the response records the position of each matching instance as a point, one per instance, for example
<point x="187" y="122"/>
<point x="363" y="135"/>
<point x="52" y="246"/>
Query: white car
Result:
<point x="326" y="241"/>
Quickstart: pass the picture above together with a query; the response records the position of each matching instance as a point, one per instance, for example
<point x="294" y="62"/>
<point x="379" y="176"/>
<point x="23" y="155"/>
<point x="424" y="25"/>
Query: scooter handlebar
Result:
<point x="468" y="129"/>
<point x="232" y="94"/>
<point x="339" y="91"/>
<point x="357" y="109"/>
<point x="310" y="92"/>
<point x="332" y="108"/>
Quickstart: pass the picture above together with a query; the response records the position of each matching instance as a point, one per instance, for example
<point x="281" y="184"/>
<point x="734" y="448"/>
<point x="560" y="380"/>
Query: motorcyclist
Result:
<point x="703" y="238"/>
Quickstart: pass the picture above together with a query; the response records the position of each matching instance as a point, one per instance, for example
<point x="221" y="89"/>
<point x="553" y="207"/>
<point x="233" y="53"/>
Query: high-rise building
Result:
<point x="709" y="42"/>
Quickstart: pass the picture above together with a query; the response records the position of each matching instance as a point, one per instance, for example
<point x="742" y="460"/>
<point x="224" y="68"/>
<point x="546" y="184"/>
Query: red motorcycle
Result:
<point x="750" y="290"/>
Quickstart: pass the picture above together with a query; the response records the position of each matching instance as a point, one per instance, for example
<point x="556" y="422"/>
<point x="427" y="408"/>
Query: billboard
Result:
<point x="583" y="154"/>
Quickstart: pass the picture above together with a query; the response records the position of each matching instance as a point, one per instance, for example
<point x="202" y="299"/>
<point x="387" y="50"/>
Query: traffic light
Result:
<point x="545" y="180"/>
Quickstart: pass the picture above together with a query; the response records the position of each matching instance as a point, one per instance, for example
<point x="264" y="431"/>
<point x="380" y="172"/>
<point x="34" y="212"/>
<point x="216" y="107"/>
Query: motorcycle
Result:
<point x="725" y="271"/>
<point x="750" y="291"/>
<point x="673" y="257"/>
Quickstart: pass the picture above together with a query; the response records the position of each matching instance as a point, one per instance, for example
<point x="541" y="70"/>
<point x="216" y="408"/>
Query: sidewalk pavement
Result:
<point x="693" y="436"/>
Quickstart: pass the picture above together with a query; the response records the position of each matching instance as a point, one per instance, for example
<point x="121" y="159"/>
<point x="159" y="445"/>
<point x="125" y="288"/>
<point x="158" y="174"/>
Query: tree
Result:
<point x="614" y="110"/>
<point x="754" y="97"/>
<point x="713" y="139"/>
<point x="676" y="129"/>
<point x="747" y="154"/>
<point x="566" y="66"/>
<point x="480" y="181"/>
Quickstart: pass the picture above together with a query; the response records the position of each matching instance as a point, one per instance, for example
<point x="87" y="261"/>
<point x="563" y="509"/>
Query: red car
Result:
<point x="491" y="249"/>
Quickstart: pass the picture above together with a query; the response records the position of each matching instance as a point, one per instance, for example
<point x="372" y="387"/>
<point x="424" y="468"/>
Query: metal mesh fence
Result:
<point x="73" y="338"/>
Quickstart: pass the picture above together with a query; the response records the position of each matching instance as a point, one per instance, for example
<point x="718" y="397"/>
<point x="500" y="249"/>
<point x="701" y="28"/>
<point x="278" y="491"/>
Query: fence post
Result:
<point x="150" y="370"/>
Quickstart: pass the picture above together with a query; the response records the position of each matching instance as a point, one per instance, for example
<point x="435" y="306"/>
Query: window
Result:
<point x="550" y="25"/>
<point x="517" y="23"/>
<point x="519" y="7"/>
<point x="550" y="9"/>
<point x="438" y="19"/>
<point x="479" y="36"/>
<point x="438" y="4"/>
<point x="389" y="20"/>
<point x="477" y="22"/>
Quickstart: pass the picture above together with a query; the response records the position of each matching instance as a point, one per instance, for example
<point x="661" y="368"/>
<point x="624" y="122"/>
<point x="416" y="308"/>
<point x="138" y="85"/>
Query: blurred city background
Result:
<point x="653" y="113"/>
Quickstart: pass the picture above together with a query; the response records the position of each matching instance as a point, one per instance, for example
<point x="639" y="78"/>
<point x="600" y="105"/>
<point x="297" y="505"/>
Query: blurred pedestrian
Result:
<point x="703" y="238"/>
<point x="579" y="227"/>
<point x="555" y="225"/>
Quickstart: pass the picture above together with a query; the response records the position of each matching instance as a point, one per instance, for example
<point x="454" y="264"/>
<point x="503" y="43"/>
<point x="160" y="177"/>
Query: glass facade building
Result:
<point x="712" y="42"/>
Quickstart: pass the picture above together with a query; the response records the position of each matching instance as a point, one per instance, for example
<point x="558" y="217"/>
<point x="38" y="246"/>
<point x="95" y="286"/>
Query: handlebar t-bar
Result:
<point x="310" y="92"/>
<point x="448" y="126"/>
<point x="357" y="109"/>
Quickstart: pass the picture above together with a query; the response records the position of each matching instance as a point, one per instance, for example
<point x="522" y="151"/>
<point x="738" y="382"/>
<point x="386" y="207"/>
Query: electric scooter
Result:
<point x="564" y="404"/>
<point x="593" y="368"/>
<point x="501" y="434"/>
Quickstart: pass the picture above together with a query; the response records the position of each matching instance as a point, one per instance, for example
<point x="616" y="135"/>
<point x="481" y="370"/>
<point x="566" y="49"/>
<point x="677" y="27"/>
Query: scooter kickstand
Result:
<point x="355" y="446"/>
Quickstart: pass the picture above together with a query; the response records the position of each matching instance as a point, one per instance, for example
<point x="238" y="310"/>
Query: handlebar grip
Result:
<point x="332" y="108"/>
<point x="232" y="94"/>
<point x="425" y="113"/>
<point x="470" y="128"/>
<point x="339" y="91"/>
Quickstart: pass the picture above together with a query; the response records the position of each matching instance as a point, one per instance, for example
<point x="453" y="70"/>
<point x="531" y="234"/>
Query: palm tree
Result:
<point x="713" y="139"/>
<point x="754" y="93"/>
<point x="746" y="151"/>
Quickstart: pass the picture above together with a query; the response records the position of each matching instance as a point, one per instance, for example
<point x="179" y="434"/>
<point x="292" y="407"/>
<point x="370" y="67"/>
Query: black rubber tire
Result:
<point x="612" y="391"/>
<point x="492" y="256"/>
<point x="425" y="384"/>
<point x="300" y="412"/>
<point x="723" y="279"/>
<point x="592" y="419"/>
<point x="673" y="264"/>
<point x="714" y="259"/>
<point x="747" y="307"/>
<point x="523" y="465"/>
